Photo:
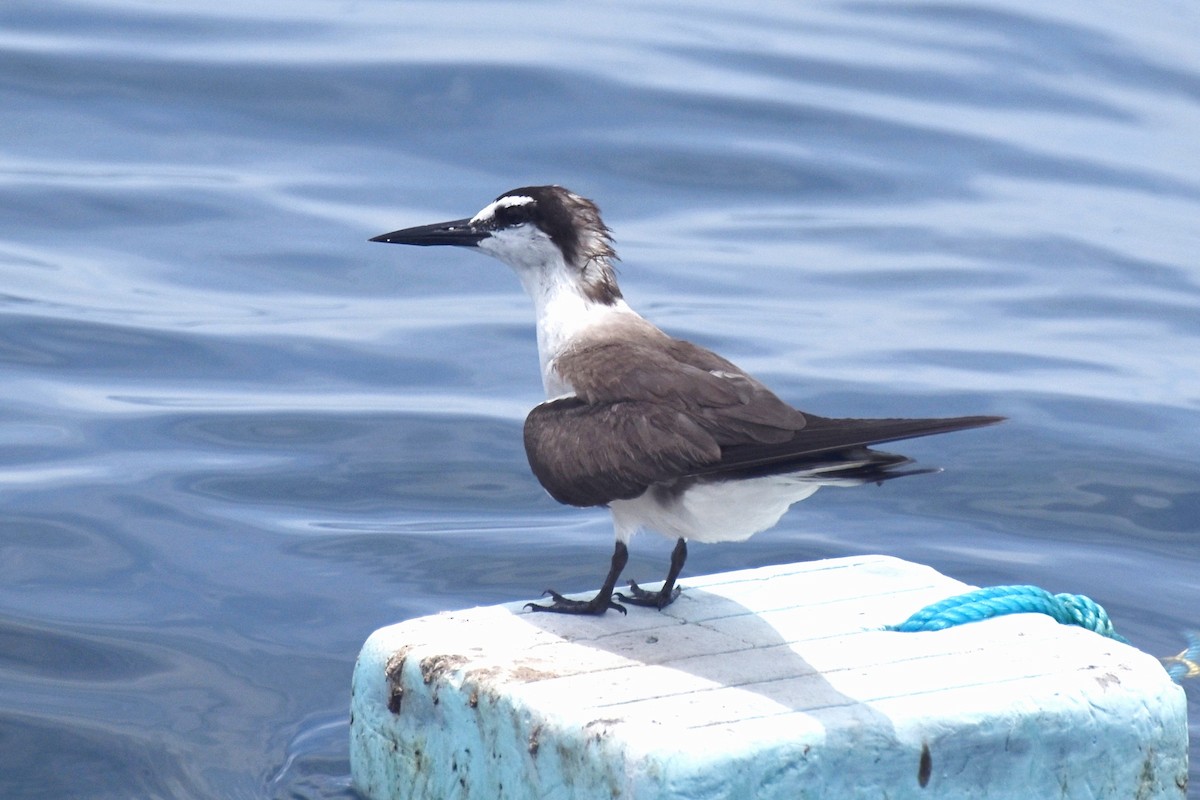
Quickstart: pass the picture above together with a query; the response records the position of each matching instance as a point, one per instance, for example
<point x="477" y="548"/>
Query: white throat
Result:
<point x="564" y="313"/>
<point x="563" y="309"/>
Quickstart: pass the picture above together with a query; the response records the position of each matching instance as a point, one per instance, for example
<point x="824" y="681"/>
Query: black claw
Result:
<point x="602" y="602"/>
<point x="640" y="597"/>
<point x="564" y="605"/>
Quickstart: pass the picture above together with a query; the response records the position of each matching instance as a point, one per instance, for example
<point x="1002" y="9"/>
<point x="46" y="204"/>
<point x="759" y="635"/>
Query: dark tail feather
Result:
<point x="863" y="465"/>
<point x="830" y="440"/>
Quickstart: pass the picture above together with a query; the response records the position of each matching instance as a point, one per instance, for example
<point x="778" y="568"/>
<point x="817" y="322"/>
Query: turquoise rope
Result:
<point x="1068" y="609"/>
<point x="996" y="601"/>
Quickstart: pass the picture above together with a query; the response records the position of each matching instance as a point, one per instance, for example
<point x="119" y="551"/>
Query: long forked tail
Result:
<point x="827" y="441"/>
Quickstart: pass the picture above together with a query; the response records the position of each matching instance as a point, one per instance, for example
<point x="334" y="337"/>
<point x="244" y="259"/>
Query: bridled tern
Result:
<point x="666" y="434"/>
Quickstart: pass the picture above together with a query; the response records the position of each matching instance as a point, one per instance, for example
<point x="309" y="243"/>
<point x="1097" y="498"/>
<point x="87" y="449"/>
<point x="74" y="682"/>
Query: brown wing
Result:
<point x="823" y="437"/>
<point x="589" y="455"/>
<point x="653" y="410"/>
<point x="731" y="406"/>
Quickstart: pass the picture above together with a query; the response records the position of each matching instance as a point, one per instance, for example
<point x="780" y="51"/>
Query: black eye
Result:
<point x="507" y="216"/>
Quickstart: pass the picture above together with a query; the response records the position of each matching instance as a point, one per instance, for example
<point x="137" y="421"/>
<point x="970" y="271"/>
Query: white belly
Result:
<point x="728" y="511"/>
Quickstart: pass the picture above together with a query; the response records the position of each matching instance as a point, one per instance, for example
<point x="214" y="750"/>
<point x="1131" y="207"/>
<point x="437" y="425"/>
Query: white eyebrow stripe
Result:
<point x="489" y="210"/>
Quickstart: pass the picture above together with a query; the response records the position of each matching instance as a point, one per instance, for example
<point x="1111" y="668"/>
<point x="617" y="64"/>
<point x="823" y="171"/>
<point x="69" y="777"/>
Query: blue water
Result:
<point x="235" y="437"/>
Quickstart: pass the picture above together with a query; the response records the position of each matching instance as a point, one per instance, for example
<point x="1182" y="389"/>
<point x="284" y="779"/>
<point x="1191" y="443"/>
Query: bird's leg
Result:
<point x="669" y="591"/>
<point x="601" y="602"/>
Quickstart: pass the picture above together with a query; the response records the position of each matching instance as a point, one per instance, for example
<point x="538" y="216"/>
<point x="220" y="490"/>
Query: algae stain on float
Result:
<point x="924" y="766"/>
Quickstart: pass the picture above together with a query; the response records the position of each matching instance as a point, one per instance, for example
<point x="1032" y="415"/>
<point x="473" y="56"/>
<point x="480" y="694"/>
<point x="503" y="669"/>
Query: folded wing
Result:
<point x="658" y="412"/>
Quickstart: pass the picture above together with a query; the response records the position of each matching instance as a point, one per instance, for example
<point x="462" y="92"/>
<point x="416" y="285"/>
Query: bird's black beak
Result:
<point x="459" y="232"/>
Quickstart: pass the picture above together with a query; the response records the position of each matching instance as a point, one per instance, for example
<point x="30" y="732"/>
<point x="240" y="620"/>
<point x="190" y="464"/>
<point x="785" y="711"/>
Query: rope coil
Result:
<point x="997" y="601"/>
<point x="1067" y="609"/>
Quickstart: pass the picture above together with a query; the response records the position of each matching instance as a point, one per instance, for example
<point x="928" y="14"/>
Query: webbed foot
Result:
<point x="599" y="604"/>
<point x="640" y="597"/>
